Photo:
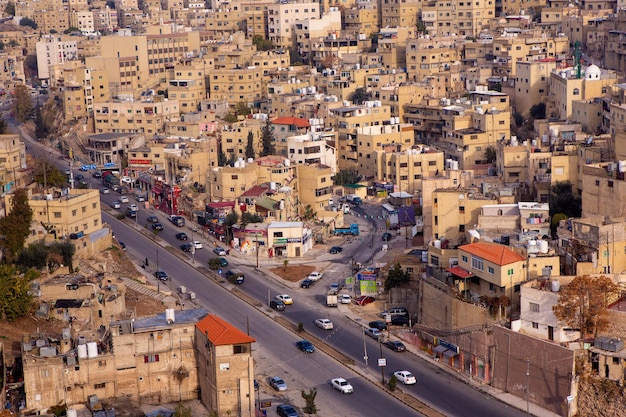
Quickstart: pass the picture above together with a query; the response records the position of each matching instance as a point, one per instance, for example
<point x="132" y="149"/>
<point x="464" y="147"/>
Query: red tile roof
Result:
<point x="255" y="191"/>
<point x="460" y="272"/>
<point x="492" y="252"/>
<point x="296" y="121"/>
<point x="221" y="333"/>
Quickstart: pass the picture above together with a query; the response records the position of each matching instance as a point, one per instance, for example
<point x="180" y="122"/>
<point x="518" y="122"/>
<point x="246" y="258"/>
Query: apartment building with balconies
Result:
<point x="361" y="18"/>
<point x="531" y="83"/>
<point x="147" y="116"/>
<point x="432" y="57"/>
<point x="400" y="13"/>
<point x="465" y="18"/>
<point x="281" y="18"/>
<point x="237" y="85"/>
<point x="53" y="50"/>
<point x="313" y="148"/>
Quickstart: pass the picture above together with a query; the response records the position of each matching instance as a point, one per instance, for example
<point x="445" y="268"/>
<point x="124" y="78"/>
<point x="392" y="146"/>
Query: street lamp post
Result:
<point x="527" y="390"/>
<point x="157" y="268"/>
<point x="193" y="248"/>
<point x="382" y="367"/>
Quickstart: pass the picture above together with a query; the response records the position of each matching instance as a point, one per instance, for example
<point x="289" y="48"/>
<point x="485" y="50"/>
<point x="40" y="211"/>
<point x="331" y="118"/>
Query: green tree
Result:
<point x="30" y="66"/>
<point x="360" y="95"/>
<point x="71" y="29"/>
<point x="214" y="264"/>
<point x="15" y="300"/>
<point x="230" y="117"/>
<point x="221" y="157"/>
<point x="563" y="200"/>
<point x="421" y="27"/>
<point x="554" y="222"/>
<point x="519" y="119"/>
<point x="396" y="277"/>
<point x="262" y="44"/>
<point x="393" y="383"/>
<point x="41" y="129"/>
<point x="22" y="104"/>
<point x="46" y="174"/>
<point x="25" y="21"/>
<point x="15" y="226"/>
<point x="58" y="410"/>
<point x="10" y="8"/>
<point x="309" y="401"/>
<point x="4" y="126"/>
<point x="345" y="177"/>
<point x="295" y="58"/>
<point x="250" y="146"/>
<point x="583" y="304"/>
<point x="242" y="109"/>
<point x="490" y="154"/>
<point x="538" y="111"/>
<point x="309" y="213"/>
<point x="182" y="411"/>
<point x="231" y="219"/>
<point x="267" y="139"/>
<point x="247" y="218"/>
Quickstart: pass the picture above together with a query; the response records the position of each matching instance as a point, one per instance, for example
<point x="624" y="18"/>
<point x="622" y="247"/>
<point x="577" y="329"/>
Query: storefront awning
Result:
<point x="459" y="272"/>
<point x="449" y="353"/>
<point x="440" y="349"/>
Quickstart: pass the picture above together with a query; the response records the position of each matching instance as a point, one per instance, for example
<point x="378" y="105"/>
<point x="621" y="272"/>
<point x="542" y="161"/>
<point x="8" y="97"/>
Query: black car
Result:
<point x="161" y="275"/>
<point x="96" y="174"/>
<point x="395" y="345"/>
<point x="152" y="219"/>
<point x="79" y="177"/>
<point x="335" y="249"/>
<point x="378" y="324"/>
<point x="286" y="410"/>
<point x="186" y="247"/>
<point x="387" y="237"/>
<point x="157" y="226"/>
<point x="307" y="283"/>
<point x="277" y="305"/>
<point x="400" y="321"/>
<point x="181" y="236"/>
<point x="122" y="245"/>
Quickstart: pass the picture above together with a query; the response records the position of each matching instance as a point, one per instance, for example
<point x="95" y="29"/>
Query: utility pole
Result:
<point x="527" y="390"/>
<point x="382" y="367"/>
<point x="256" y="235"/>
<point x="158" y="279"/>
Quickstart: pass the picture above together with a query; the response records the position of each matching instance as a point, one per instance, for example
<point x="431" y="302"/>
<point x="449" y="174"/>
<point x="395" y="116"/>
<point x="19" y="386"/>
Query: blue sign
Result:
<point x="219" y="271"/>
<point x="449" y="346"/>
<point x="109" y="165"/>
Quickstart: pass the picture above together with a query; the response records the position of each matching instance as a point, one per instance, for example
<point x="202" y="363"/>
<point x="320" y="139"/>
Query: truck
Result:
<point x="354" y="199"/>
<point x="109" y="179"/>
<point x="353" y="230"/>
<point x="178" y="220"/>
<point x="331" y="298"/>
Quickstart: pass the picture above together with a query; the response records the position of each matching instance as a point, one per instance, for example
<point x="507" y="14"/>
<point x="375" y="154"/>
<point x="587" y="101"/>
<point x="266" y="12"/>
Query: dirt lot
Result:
<point x="293" y="273"/>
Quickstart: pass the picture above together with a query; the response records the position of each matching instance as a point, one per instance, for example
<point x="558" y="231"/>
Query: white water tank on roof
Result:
<point x="543" y="246"/>
<point x="454" y="165"/>
<point x="82" y="351"/>
<point x="92" y="350"/>
<point x="287" y="162"/>
<point x="170" y="316"/>
<point x="555" y="286"/>
<point x="621" y="166"/>
<point x="438" y="244"/>
<point x="272" y="186"/>
<point x="70" y="412"/>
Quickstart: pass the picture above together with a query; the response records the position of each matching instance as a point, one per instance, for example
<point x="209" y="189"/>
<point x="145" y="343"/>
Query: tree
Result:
<point x="250" y="146"/>
<point x="295" y="57"/>
<point x="71" y="29"/>
<point x="360" y="95"/>
<point x="46" y="174"/>
<point x="15" y="300"/>
<point x="182" y="411"/>
<point x="231" y="219"/>
<point x="262" y="44"/>
<point x="583" y="303"/>
<point x="309" y="213"/>
<point x="4" y="126"/>
<point x="23" y="104"/>
<point x="421" y="27"/>
<point x="242" y="109"/>
<point x="15" y="226"/>
<point x="554" y="222"/>
<point x="267" y="139"/>
<point x="538" y="111"/>
<point x="10" y="8"/>
<point x="25" y="21"/>
<point x="490" y="154"/>
<point x="247" y="218"/>
<point x="309" y="401"/>
<point x="41" y="129"/>
<point x="345" y="177"/>
<point x="230" y="117"/>
<point x="393" y="383"/>
<point x="563" y="200"/>
<point x="519" y="119"/>
<point x="396" y="277"/>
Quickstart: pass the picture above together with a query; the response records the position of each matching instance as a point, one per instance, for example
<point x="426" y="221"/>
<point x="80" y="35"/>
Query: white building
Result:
<point x="53" y="50"/>
<point x="83" y="21"/>
<point x="536" y="316"/>
<point x="313" y="148"/>
<point x="282" y="16"/>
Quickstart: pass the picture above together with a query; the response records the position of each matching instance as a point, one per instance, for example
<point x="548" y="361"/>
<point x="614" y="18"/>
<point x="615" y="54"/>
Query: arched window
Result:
<point x="576" y="91"/>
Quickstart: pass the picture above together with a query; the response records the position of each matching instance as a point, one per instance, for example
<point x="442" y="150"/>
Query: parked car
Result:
<point x="286" y="410"/>
<point x="79" y="177"/>
<point x="277" y="383"/>
<point x="315" y="276"/>
<point x="219" y="251"/>
<point x="157" y="226"/>
<point x="305" y="346"/>
<point x="325" y="324"/>
<point x="345" y="299"/>
<point x="105" y="190"/>
<point x="116" y="204"/>
<point x="285" y="298"/>
<point x="140" y="198"/>
<point x="181" y="236"/>
<point x="364" y="299"/>
<point x="235" y="276"/>
<point x="186" y="247"/>
<point x="161" y="275"/>
<point x="396" y="311"/>
<point x="335" y="250"/>
<point x="372" y="332"/>
<point x="122" y="245"/>
<point x="395" y="345"/>
<point x="96" y="174"/>
<point x="378" y="324"/>
<point x="400" y="321"/>
<point x="405" y="377"/>
<point x="277" y="305"/>
<point x="197" y="244"/>
<point x="223" y="261"/>
<point x="152" y="219"/>
<point x="306" y="283"/>
<point x="341" y="385"/>
<point x="123" y="199"/>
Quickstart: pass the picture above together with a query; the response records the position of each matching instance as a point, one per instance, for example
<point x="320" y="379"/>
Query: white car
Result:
<point x="133" y="207"/>
<point x="315" y="276"/>
<point x="285" y="298"/>
<point x="123" y="199"/>
<point x="372" y="332"/>
<point x="324" y="324"/>
<point x="345" y="299"/>
<point x="405" y="377"/>
<point x="126" y="180"/>
<point x="341" y="385"/>
<point x="105" y="190"/>
<point x="197" y="244"/>
<point x="116" y="204"/>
